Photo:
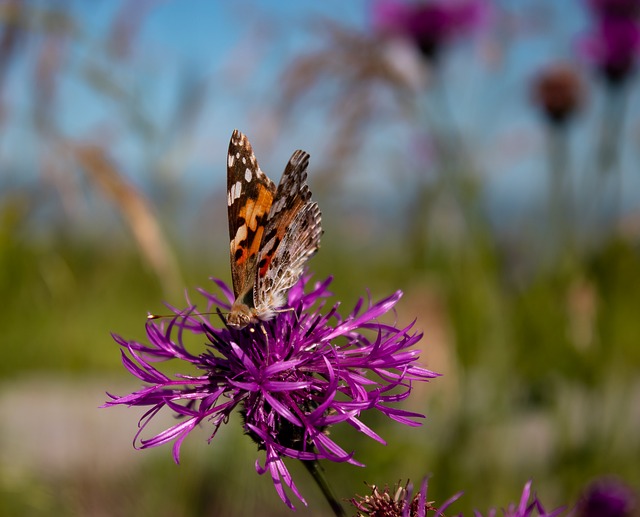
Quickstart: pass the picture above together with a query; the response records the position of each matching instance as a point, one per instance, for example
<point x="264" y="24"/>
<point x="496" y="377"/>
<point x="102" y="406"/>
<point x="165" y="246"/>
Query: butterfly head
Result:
<point x="240" y="316"/>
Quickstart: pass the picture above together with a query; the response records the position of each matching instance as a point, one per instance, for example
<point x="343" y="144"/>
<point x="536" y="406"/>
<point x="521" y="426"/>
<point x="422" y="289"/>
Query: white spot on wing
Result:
<point x="248" y="174"/>
<point x="230" y="160"/>
<point x="234" y="192"/>
<point x="241" y="234"/>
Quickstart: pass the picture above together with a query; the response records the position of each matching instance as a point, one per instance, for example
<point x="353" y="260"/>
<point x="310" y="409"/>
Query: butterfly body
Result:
<point x="273" y="232"/>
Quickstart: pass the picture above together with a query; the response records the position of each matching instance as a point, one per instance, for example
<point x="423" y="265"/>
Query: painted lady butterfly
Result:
<point x="273" y="231"/>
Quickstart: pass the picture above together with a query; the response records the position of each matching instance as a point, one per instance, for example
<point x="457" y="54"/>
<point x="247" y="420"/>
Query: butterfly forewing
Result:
<point x="250" y="195"/>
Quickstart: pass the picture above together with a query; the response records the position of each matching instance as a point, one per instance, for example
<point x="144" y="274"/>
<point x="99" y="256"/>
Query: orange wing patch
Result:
<point x="250" y="194"/>
<point x="253" y="214"/>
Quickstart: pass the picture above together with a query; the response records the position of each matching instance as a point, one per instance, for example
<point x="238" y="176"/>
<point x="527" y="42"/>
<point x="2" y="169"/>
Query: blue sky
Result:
<point x="238" y="51"/>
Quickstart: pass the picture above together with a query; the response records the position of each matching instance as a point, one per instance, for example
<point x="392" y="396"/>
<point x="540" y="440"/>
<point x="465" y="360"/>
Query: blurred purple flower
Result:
<point x="607" y="498"/>
<point x="292" y="377"/>
<point x="430" y="25"/>
<point x="613" y="46"/>
<point x="615" y="8"/>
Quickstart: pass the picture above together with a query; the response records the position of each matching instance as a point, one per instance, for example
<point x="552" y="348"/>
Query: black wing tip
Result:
<point x="299" y="159"/>
<point x="237" y="139"/>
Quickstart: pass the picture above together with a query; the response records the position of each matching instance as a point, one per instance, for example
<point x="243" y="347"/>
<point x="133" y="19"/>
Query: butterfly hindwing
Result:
<point x="299" y="243"/>
<point x="250" y="194"/>
<point x="291" y="237"/>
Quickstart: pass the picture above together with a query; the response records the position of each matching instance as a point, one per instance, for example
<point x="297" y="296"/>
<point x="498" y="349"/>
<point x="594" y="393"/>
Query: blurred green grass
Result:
<point x="540" y="362"/>
<point x="540" y="378"/>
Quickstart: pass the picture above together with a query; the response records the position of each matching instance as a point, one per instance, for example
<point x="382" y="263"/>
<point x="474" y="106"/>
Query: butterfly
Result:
<point x="273" y="232"/>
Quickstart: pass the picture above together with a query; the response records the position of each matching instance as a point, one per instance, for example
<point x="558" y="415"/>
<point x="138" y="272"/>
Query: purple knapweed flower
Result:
<point x="607" y="498"/>
<point x="613" y="47"/>
<point x="291" y="377"/>
<point x="524" y="508"/>
<point x="430" y="25"/>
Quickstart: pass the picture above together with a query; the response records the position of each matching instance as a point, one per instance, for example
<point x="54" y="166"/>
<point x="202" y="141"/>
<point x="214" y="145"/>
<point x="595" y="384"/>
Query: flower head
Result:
<point x="614" y="43"/>
<point x="402" y="502"/>
<point x="613" y="46"/>
<point x="430" y="25"/>
<point x="607" y="498"/>
<point x="291" y="377"/>
<point x="558" y="92"/>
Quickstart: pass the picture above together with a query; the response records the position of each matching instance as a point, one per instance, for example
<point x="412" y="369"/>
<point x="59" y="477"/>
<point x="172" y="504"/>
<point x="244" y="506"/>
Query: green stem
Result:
<point x="611" y="129"/>
<point x="316" y="472"/>
<point x="455" y="163"/>
<point x="560" y="202"/>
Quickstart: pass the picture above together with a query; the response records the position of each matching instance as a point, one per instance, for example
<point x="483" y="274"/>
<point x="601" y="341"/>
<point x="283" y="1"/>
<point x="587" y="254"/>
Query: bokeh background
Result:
<point x="482" y="157"/>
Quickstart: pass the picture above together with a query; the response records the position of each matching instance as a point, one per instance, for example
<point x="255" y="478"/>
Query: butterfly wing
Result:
<point x="250" y="195"/>
<point x="291" y="237"/>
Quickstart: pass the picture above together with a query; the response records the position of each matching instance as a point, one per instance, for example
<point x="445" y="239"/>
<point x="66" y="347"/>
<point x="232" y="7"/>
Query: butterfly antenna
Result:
<point x="152" y="316"/>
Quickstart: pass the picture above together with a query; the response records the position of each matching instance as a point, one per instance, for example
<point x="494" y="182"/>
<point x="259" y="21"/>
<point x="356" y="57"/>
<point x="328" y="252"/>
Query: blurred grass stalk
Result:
<point x="609" y="176"/>
<point x="446" y="189"/>
<point x="560" y="195"/>
<point x="137" y="212"/>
